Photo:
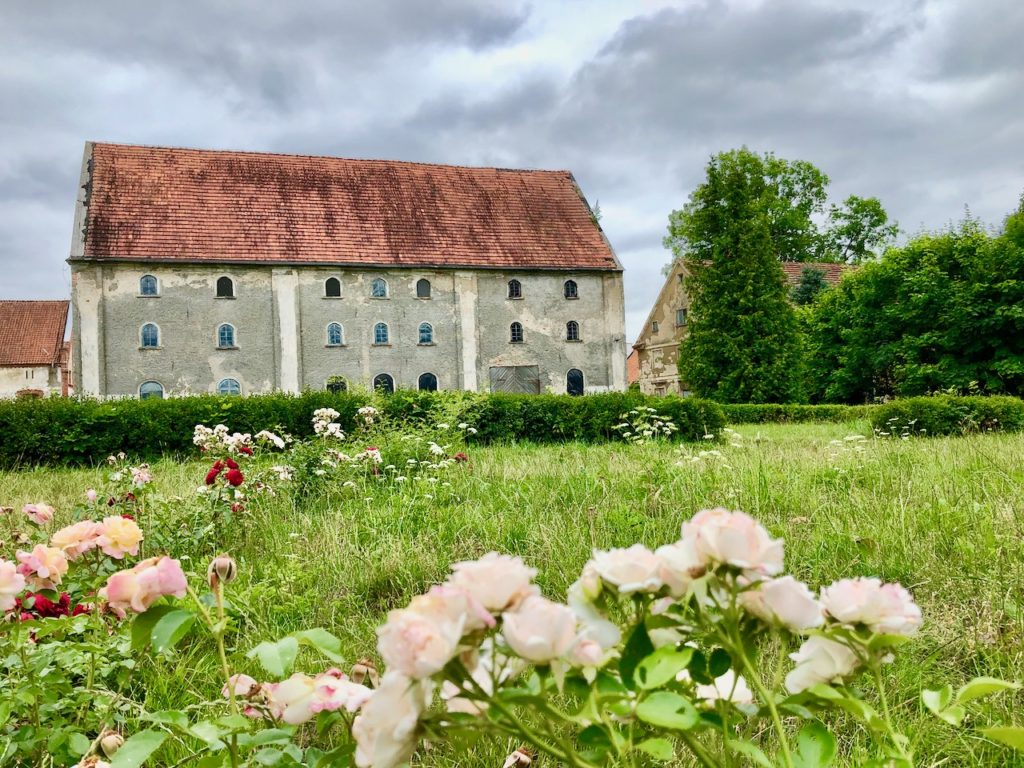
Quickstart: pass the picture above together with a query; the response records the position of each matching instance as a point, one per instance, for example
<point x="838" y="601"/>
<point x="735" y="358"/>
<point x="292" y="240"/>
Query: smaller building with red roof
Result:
<point x="34" y="357"/>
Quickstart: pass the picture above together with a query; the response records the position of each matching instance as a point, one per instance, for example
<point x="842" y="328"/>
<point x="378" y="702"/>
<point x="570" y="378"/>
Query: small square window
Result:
<point x="680" y="318"/>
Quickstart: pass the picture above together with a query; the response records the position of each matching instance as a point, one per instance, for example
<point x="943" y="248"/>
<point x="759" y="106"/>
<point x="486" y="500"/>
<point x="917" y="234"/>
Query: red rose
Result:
<point x="211" y="476"/>
<point x="245" y="449"/>
<point x="81" y="608"/>
<point x="126" y="516"/>
<point x="238" y="507"/>
<point x="218" y="465"/>
<point x="460" y="457"/>
<point x="234" y="477"/>
<point x="232" y="464"/>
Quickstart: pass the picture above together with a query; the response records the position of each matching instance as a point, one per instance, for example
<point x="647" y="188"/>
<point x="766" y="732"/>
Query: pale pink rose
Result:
<point x="333" y="690"/>
<point x="141" y="475"/>
<point x="784" y="601"/>
<point x="120" y="536"/>
<point x="678" y="564"/>
<point x="419" y="644"/>
<point x="457" y="604"/>
<point x="38" y="513"/>
<point x="11" y="584"/>
<point x="43" y="567"/>
<point x="91" y="495"/>
<point x="591" y="623"/>
<point x="139" y="587"/>
<point x="497" y="581"/>
<point x="635" y="569"/>
<point x="243" y="686"/>
<point x="77" y="539"/>
<point x="722" y="537"/>
<point x="290" y="699"/>
<point x="385" y="729"/>
<point x="884" y="608"/>
<point x="820" y="660"/>
<point x="587" y="653"/>
<point x="539" y="630"/>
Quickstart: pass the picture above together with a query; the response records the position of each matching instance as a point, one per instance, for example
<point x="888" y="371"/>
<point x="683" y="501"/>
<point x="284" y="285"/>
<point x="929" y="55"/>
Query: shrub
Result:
<point x="946" y="415"/>
<point x="77" y="431"/>
<point x="781" y="413"/>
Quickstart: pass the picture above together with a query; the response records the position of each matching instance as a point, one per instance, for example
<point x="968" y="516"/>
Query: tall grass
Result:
<point x="943" y="516"/>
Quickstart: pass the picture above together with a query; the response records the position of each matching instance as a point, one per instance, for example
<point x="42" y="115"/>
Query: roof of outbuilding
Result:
<point x="32" y="332"/>
<point x="794" y="270"/>
<point x="155" y="203"/>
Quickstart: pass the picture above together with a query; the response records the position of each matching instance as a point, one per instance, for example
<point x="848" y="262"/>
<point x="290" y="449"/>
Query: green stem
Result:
<point x="699" y="750"/>
<point x="769" y="701"/>
<point x="876" y="670"/>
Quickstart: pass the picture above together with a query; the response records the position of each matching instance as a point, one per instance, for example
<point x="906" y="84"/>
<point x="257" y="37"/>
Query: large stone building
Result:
<point x="657" y="346"/>
<point x="239" y="272"/>
<point x="33" y="354"/>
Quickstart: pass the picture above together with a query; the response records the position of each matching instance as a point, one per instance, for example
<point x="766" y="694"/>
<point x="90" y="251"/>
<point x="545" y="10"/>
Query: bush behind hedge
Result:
<point x="948" y="415"/>
<point x="84" y="431"/>
<point x="783" y="413"/>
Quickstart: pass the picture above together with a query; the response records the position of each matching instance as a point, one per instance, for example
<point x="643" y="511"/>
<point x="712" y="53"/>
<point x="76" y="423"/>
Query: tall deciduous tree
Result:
<point x="751" y="212"/>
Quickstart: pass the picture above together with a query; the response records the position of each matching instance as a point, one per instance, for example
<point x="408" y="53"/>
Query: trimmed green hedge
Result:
<point x="946" y="415"/>
<point x="782" y="413"/>
<point x="83" y="431"/>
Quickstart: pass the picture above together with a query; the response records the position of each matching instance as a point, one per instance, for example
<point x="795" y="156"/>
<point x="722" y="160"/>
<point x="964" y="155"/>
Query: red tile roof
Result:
<point x="795" y="269"/>
<point x="151" y="203"/>
<point x="32" y="332"/>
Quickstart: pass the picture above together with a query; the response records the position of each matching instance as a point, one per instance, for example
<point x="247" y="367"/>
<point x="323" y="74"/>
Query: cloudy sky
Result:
<point x="918" y="102"/>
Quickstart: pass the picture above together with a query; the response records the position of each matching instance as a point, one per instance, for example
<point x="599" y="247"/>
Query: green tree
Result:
<point x="812" y="282"/>
<point x="946" y="311"/>
<point x="751" y="212"/>
<point x="857" y="230"/>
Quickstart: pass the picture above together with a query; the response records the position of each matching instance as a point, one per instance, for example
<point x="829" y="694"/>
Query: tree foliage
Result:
<point x="812" y="282"/>
<point x="944" y="312"/>
<point x="743" y="343"/>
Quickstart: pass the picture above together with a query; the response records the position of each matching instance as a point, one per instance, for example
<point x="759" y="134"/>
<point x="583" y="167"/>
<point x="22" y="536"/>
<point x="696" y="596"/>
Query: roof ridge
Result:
<point x="264" y="153"/>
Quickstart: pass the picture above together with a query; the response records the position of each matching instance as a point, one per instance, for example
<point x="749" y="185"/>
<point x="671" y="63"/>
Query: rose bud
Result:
<point x="232" y="464"/>
<point x="365" y="669"/>
<point x="110" y="742"/>
<point x="521" y="758"/>
<point x="235" y="477"/>
<point x="222" y="570"/>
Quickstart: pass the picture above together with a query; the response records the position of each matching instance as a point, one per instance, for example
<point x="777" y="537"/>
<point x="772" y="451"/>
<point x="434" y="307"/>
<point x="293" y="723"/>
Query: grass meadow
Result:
<point x="943" y="516"/>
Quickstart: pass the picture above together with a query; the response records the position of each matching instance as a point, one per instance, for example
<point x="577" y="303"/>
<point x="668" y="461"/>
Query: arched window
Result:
<point x="383" y="382"/>
<point x="516" y="333"/>
<point x="379" y="288"/>
<point x="226" y="336"/>
<point x="570" y="289"/>
<point x="335" y="335"/>
<point x="148" y="286"/>
<point x="426" y="333"/>
<point x="574" y="381"/>
<point x="225" y="288"/>
<point x="572" y="331"/>
<point x="427" y="382"/>
<point x="150" y="336"/>
<point x="229" y="387"/>
<point x="422" y="288"/>
<point x="151" y="389"/>
<point x="337" y="384"/>
<point x="332" y="288"/>
<point x="515" y="289"/>
<point x="380" y="333"/>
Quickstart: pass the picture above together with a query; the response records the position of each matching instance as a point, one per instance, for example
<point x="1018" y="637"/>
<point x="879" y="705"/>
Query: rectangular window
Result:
<point x="680" y="318"/>
<point x="654" y="326"/>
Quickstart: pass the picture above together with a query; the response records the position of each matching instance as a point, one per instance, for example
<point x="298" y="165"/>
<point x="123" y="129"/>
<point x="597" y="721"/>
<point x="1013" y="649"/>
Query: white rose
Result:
<point x="819" y="660"/>
<point x="884" y="608"/>
<point x="385" y="729"/>
<point x="539" y="630"/>
<point x="727" y="687"/>
<point x="679" y="564"/>
<point x="736" y="539"/>
<point x="630" y="570"/>
<point x="497" y="581"/>
<point x="420" y="644"/>
<point x="290" y="699"/>
<point x="784" y="601"/>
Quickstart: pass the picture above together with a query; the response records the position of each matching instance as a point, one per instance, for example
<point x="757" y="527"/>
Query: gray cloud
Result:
<point x="916" y="102"/>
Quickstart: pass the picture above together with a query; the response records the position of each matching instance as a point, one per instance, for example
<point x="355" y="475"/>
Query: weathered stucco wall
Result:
<point x="658" y="350"/>
<point x="14" y="380"/>
<point x="281" y="315"/>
